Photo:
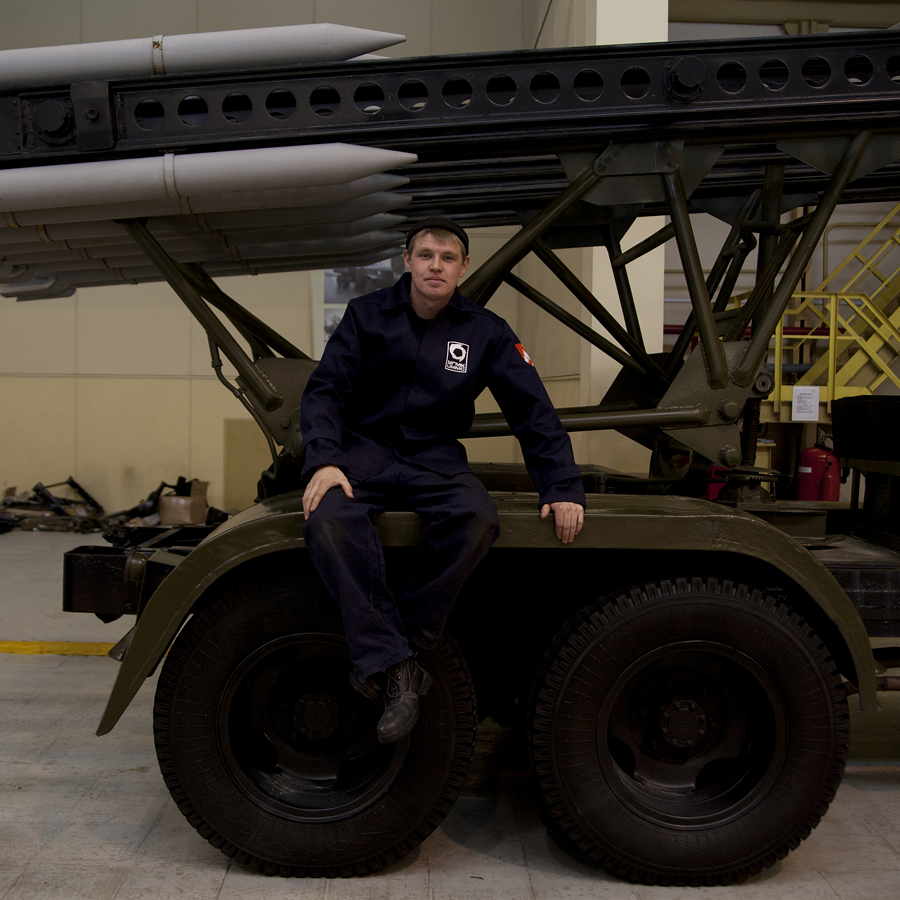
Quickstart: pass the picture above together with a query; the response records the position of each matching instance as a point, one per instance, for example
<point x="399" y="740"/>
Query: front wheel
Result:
<point x="272" y="755"/>
<point x="689" y="732"/>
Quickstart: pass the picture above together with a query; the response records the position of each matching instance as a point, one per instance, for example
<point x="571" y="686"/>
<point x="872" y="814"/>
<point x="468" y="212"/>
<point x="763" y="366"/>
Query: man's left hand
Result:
<point x="569" y="518"/>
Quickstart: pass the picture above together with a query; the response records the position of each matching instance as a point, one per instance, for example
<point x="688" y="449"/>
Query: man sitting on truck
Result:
<point x="381" y="417"/>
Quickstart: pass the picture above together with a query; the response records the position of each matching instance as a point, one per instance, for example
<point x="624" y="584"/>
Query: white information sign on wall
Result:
<point x="805" y="405"/>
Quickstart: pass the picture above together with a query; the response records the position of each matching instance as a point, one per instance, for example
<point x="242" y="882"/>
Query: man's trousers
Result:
<point x="382" y="627"/>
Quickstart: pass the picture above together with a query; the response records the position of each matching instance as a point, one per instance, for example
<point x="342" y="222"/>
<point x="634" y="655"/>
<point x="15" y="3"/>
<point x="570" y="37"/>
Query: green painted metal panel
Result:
<point x="612" y="522"/>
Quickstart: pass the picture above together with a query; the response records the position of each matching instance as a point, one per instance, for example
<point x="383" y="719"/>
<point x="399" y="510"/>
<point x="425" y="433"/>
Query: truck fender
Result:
<point x="628" y="522"/>
<point x="267" y="527"/>
<point x="612" y="522"/>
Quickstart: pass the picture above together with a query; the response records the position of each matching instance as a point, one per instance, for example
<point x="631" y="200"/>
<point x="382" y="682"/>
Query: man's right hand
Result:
<point x="323" y="480"/>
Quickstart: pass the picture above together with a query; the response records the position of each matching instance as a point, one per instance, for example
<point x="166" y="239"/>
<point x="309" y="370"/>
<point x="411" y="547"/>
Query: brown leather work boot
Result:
<point x="406" y="682"/>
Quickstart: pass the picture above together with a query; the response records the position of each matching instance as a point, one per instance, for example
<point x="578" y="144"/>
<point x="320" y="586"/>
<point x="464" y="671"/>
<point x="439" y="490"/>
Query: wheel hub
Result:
<point x="296" y="737"/>
<point x="316" y="716"/>
<point x="690" y="726"/>
<point x="682" y="723"/>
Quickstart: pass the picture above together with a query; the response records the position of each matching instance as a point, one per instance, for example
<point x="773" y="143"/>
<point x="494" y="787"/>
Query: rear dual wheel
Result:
<point x="271" y="754"/>
<point x="689" y="732"/>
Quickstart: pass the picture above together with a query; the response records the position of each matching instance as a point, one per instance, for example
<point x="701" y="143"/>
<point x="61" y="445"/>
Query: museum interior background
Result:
<point x="113" y="385"/>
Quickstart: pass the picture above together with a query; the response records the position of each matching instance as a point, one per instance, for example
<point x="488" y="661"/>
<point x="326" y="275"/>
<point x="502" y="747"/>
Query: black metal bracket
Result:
<point x="92" y="116"/>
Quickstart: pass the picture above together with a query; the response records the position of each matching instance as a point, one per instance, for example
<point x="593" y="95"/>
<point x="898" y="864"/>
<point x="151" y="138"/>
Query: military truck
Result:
<point x="682" y="670"/>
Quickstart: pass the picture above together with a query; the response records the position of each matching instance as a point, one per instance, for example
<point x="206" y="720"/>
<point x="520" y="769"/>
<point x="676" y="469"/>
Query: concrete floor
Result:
<point x="82" y="816"/>
<point x="31" y="578"/>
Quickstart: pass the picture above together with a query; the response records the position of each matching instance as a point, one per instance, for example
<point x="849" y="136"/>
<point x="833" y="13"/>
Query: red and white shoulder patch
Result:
<point x="523" y="353"/>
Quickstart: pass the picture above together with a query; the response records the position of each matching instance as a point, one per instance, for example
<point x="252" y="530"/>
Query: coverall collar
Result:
<point x="399" y="296"/>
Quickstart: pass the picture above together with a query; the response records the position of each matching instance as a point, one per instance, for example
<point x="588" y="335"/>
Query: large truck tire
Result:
<point x="271" y="754"/>
<point x="689" y="732"/>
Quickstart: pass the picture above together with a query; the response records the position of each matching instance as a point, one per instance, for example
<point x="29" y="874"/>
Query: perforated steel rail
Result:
<point x="573" y="145"/>
<point x="464" y="115"/>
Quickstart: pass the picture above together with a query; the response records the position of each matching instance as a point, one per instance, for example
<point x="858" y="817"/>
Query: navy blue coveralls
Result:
<point x="387" y="404"/>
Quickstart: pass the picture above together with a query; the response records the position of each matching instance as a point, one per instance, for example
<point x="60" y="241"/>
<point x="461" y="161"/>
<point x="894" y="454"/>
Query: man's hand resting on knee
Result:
<point x="569" y="518"/>
<point x="323" y="480"/>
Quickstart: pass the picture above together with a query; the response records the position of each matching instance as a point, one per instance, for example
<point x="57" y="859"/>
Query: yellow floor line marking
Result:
<point x="56" y="648"/>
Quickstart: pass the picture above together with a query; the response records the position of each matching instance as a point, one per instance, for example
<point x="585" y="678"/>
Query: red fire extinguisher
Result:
<point x="820" y="475"/>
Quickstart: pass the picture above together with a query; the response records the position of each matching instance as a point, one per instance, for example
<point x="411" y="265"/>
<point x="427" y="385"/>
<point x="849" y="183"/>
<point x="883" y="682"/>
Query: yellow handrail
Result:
<point x="851" y="338"/>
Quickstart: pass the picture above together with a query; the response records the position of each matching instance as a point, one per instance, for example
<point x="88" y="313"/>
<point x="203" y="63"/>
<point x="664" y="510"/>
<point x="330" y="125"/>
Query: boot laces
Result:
<point x="395" y="679"/>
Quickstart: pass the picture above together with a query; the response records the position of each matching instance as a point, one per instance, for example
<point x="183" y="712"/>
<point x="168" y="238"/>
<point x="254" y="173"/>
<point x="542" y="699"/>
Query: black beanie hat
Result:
<point x="444" y="224"/>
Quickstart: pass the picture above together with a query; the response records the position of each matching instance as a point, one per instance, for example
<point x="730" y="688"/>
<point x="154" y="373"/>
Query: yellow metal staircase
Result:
<point x="843" y="339"/>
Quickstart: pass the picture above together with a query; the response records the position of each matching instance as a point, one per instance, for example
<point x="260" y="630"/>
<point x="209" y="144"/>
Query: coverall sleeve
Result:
<point x="523" y="399"/>
<point x="325" y="397"/>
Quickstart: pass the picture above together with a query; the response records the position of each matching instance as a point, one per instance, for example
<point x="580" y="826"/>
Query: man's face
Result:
<point x="436" y="267"/>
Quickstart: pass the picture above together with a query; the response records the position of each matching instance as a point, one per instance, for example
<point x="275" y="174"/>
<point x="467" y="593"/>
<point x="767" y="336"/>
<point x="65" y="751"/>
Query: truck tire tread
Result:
<point x="212" y="647"/>
<point x="633" y="823"/>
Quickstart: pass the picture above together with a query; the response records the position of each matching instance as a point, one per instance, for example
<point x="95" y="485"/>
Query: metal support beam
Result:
<point x="589" y="419"/>
<point x="256" y="382"/>
<point x="770" y="213"/>
<point x="716" y="366"/>
<point x="216" y="360"/>
<point x="763" y="286"/>
<point x="477" y="121"/>
<point x="736" y="248"/>
<point x="579" y="327"/>
<point x="623" y="288"/>
<point x="657" y="239"/>
<point x="744" y="249"/>
<point x="768" y="321"/>
<point x="491" y="288"/>
<point x="517" y="247"/>
<point x="242" y="318"/>
<point x="596" y="309"/>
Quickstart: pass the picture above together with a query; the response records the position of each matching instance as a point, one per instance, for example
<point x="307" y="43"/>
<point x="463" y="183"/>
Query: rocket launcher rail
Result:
<point x="572" y="145"/>
<point x="477" y="106"/>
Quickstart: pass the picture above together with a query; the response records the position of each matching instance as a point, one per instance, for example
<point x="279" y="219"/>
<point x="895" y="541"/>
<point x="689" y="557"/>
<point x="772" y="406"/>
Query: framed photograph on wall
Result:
<point x="342" y="285"/>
